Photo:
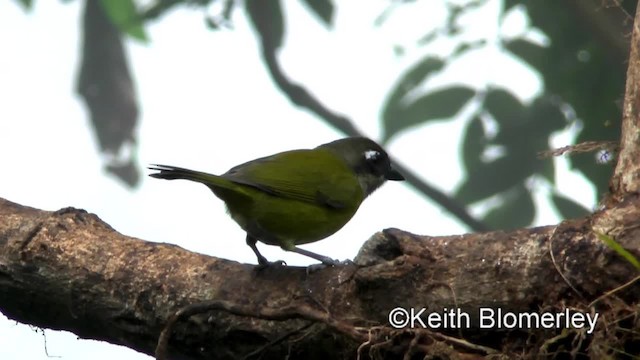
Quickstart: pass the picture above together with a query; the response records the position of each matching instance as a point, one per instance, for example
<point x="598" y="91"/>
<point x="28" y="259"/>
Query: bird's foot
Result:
<point x="270" y="264"/>
<point x="328" y="262"/>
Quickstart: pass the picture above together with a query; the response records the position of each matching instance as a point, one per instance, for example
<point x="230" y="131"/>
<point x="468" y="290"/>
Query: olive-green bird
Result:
<point x="299" y="196"/>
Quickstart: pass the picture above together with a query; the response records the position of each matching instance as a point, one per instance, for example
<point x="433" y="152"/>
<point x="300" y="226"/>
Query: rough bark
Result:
<point x="626" y="178"/>
<point x="69" y="270"/>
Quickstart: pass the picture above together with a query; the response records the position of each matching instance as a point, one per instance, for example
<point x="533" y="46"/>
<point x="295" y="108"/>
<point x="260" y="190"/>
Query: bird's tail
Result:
<point x="172" y="172"/>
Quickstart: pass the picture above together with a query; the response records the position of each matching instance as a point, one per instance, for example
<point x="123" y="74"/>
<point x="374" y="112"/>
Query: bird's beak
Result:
<point x="393" y="174"/>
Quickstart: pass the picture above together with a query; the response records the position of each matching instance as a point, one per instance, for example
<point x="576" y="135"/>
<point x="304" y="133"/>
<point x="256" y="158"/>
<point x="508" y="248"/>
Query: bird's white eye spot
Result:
<point x="371" y="155"/>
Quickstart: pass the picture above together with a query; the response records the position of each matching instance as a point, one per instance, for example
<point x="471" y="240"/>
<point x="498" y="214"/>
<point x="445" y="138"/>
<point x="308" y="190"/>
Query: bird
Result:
<point x="298" y="196"/>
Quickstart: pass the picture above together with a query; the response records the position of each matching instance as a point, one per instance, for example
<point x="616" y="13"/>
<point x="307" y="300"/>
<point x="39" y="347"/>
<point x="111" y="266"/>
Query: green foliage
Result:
<point x="580" y="69"/>
<point x="568" y="208"/>
<point x="615" y="246"/>
<point x="522" y="131"/>
<point x="413" y="77"/>
<point x="582" y="82"/>
<point x="124" y="15"/>
<point x="440" y="104"/>
<point x="515" y="210"/>
<point x="322" y="8"/>
<point x="26" y="4"/>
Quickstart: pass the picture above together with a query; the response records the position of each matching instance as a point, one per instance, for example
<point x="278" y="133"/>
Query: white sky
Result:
<point x="209" y="104"/>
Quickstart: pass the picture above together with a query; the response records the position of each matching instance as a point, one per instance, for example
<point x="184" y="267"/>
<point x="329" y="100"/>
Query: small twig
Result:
<point x="563" y="334"/>
<point x="613" y="291"/>
<point x="583" y="147"/>
<point x="369" y="340"/>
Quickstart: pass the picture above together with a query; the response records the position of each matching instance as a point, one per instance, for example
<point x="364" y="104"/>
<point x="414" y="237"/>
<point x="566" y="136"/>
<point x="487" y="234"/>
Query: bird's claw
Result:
<point x="328" y="263"/>
<point x="270" y="264"/>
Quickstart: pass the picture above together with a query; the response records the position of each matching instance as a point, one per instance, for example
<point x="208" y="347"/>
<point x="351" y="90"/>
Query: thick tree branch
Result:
<point x="626" y="177"/>
<point x="69" y="270"/>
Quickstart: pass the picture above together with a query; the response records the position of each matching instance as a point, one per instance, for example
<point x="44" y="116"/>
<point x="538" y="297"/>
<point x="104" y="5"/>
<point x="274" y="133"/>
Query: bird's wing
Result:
<point x="317" y="176"/>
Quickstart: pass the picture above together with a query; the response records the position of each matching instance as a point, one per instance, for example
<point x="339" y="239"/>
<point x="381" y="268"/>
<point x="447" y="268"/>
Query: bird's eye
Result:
<point x="372" y="155"/>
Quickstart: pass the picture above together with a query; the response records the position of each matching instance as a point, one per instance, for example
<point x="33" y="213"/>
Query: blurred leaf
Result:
<point x="517" y="210"/>
<point x="212" y="23"/>
<point x="124" y="15"/>
<point x="568" y="208"/>
<point x="107" y="88"/>
<point x="26" y="4"/>
<point x="267" y="19"/>
<point x="581" y="68"/>
<point x="545" y="167"/>
<point x="323" y="8"/>
<point x="127" y="172"/>
<point x="464" y="47"/>
<point x="158" y="8"/>
<point x="493" y="178"/>
<point x="414" y="76"/>
<point x="531" y="53"/>
<point x="525" y="129"/>
<point x="408" y="82"/>
<point x="223" y="19"/>
<point x="473" y="145"/>
<point x="546" y="116"/>
<point x="503" y="106"/>
<point x="611" y="243"/>
<point x="440" y="104"/>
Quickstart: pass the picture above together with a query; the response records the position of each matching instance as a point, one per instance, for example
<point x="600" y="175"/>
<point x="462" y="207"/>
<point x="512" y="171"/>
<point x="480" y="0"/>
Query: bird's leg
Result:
<point x="323" y="259"/>
<point x="262" y="261"/>
<point x="251" y="241"/>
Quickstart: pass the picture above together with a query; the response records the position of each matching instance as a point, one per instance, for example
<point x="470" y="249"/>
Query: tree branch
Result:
<point x="69" y="270"/>
<point x="626" y="176"/>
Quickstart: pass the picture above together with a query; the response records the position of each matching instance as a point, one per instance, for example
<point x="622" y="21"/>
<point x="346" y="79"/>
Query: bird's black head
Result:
<point x="367" y="159"/>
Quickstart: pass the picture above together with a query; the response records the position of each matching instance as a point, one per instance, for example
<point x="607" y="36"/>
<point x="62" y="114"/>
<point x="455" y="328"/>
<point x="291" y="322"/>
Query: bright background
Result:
<point x="208" y="104"/>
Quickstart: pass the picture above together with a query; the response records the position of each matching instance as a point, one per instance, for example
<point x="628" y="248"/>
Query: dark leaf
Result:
<point x="525" y="129"/>
<point x="545" y="167"/>
<point x="159" y="8"/>
<point x="408" y="82"/>
<point x="441" y="104"/>
<point x="323" y="8"/>
<point x="127" y="172"/>
<point x="467" y="46"/>
<point x="582" y="68"/>
<point x="105" y="84"/>
<point x="517" y="210"/>
<point x="473" y="145"/>
<point x="504" y="106"/>
<point x="26" y="4"/>
<point x="568" y="208"/>
<point x="529" y="52"/>
<point x="494" y="177"/>
<point x="545" y="116"/>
